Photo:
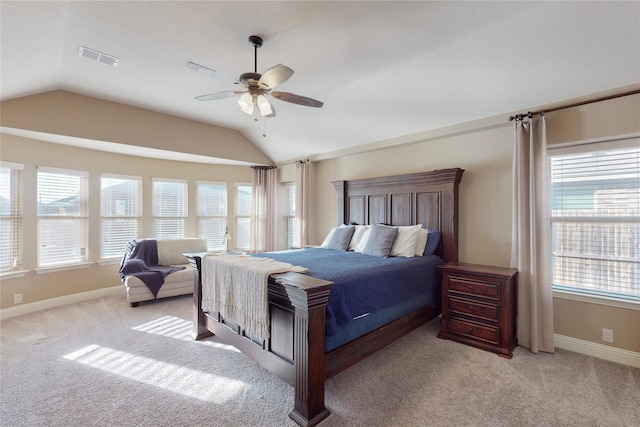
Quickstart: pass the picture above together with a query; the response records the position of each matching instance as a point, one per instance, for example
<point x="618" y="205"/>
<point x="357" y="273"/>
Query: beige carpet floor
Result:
<point x="103" y="363"/>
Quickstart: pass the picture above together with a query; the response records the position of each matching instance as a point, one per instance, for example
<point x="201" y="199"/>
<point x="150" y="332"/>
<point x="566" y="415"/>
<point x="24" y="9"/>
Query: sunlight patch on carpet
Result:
<point x="175" y="327"/>
<point x="168" y="376"/>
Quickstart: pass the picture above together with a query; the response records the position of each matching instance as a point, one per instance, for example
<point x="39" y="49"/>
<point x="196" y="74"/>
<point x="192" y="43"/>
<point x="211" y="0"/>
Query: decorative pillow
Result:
<point x="358" y="234"/>
<point x="422" y="242"/>
<point x="341" y="237"/>
<point x="380" y="241"/>
<point x="433" y="238"/>
<point x="405" y="243"/>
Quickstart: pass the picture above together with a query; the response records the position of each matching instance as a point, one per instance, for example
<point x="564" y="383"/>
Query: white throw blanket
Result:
<point x="236" y="287"/>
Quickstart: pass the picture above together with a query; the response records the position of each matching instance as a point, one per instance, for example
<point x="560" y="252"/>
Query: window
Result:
<point x="121" y="212"/>
<point x="290" y="217"/>
<point x="170" y="208"/>
<point x="212" y="214"/>
<point x="595" y="218"/>
<point x="10" y="216"/>
<point x="243" y="216"/>
<point x="62" y="216"/>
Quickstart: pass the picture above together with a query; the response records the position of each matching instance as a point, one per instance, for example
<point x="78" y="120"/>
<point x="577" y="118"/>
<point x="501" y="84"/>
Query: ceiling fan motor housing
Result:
<point x="250" y="79"/>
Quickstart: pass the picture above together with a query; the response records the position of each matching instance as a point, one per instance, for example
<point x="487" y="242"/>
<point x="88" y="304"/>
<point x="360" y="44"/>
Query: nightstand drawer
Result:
<point x="473" y="287"/>
<point x="486" y="333"/>
<point x="471" y="308"/>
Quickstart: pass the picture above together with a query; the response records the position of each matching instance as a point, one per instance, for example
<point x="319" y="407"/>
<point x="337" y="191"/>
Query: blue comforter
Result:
<point x="364" y="284"/>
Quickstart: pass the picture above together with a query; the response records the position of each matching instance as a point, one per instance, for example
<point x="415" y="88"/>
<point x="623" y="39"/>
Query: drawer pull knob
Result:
<point x="469" y="330"/>
<point x="470" y="309"/>
<point x="470" y="287"/>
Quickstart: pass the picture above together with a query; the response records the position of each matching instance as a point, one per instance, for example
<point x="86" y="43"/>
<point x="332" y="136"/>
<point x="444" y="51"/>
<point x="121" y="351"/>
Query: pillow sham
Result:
<point x="422" y="242"/>
<point x="363" y="240"/>
<point x="358" y="234"/>
<point x="325" y="242"/>
<point x="380" y="241"/>
<point x="433" y="238"/>
<point x="340" y="239"/>
<point x="405" y="243"/>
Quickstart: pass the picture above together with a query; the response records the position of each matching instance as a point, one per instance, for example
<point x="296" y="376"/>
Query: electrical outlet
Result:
<point x="607" y="335"/>
<point x="17" y="299"/>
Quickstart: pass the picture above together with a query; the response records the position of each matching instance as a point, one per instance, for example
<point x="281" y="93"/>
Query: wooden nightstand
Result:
<point x="479" y="306"/>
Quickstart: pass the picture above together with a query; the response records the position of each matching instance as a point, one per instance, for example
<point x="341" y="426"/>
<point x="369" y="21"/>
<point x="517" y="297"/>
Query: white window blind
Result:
<point x="595" y="215"/>
<point x="121" y="212"/>
<point x="10" y="216"/>
<point x="290" y="216"/>
<point x="212" y="214"/>
<point x="62" y="216"/>
<point x="170" y="208"/>
<point x="243" y="216"/>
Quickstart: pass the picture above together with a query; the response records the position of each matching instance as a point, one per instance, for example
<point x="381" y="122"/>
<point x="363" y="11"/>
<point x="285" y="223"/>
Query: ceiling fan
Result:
<point x="256" y="85"/>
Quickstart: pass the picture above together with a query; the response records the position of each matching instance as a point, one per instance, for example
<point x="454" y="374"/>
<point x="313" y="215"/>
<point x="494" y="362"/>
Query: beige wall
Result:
<point x="485" y="190"/>
<point x="36" y="287"/>
<point x="485" y="195"/>
<point x="64" y="113"/>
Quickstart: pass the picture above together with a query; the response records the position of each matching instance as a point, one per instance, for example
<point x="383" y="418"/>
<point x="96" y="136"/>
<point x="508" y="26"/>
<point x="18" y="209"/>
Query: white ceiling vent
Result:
<point x="98" y="56"/>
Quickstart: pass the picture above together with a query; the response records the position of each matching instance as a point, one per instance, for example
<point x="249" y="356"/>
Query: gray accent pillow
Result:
<point x="341" y="238"/>
<point x="380" y="240"/>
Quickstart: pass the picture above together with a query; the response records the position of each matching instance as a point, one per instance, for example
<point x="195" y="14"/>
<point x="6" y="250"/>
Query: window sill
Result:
<point x="601" y="300"/>
<point x="58" y="268"/>
<point x="109" y="261"/>
<point x="15" y="274"/>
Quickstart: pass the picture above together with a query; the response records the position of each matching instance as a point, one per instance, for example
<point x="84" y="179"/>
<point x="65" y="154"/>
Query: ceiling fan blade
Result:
<point x="217" y="95"/>
<point x="275" y="76"/>
<point x="210" y="72"/>
<point x="297" y="99"/>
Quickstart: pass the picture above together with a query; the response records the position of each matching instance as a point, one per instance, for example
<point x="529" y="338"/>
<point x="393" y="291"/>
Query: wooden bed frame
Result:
<point x="297" y="302"/>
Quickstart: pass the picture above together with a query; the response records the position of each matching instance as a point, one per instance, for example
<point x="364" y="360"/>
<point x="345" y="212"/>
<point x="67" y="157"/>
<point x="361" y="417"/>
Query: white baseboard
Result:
<point x="600" y="351"/>
<point x="19" y="310"/>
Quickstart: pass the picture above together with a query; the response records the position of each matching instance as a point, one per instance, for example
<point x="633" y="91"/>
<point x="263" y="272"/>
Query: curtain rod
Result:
<point x="530" y="114"/>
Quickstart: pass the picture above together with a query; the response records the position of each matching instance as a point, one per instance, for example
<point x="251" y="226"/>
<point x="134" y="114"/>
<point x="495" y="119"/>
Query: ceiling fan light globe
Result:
<point x="246" y="103"/>
<point x="264" y="105"/>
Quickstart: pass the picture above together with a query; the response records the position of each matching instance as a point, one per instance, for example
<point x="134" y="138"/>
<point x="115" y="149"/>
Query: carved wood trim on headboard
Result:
<point x="427" y="198"/>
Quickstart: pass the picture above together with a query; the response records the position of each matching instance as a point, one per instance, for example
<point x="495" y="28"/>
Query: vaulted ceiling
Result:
<point x="384" y="70"/>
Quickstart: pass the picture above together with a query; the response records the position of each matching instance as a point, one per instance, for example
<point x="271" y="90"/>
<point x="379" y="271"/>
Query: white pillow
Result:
<point x="422" y="241"/>
<point x="405" y="243"/>
<point x="325" y="243"/>
<point x="358" y="234"/>
<point x="363" y="240"/>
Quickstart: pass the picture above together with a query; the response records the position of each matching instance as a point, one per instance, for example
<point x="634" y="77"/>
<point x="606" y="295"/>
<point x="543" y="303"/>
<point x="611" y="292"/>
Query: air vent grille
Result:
<point x="98" y="56"/>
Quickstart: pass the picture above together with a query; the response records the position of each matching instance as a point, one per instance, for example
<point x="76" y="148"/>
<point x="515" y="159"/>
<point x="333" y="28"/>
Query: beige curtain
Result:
<point x="301" y="234"/>
<point x="530" y="247"/>
<point x="264" y="209"/>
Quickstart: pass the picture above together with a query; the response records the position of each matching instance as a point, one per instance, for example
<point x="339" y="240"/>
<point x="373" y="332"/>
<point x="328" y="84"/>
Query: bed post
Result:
<point x="341" y="189"/>
<point x="200" y="330"/>
<point x="310" y="302"/>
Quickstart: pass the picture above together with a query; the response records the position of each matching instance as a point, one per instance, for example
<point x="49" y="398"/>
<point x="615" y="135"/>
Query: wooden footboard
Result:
<point x="295" y="351"/>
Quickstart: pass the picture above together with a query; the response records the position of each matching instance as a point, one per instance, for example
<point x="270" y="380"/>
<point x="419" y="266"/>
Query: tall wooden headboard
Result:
<point x="427" y="198"/>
